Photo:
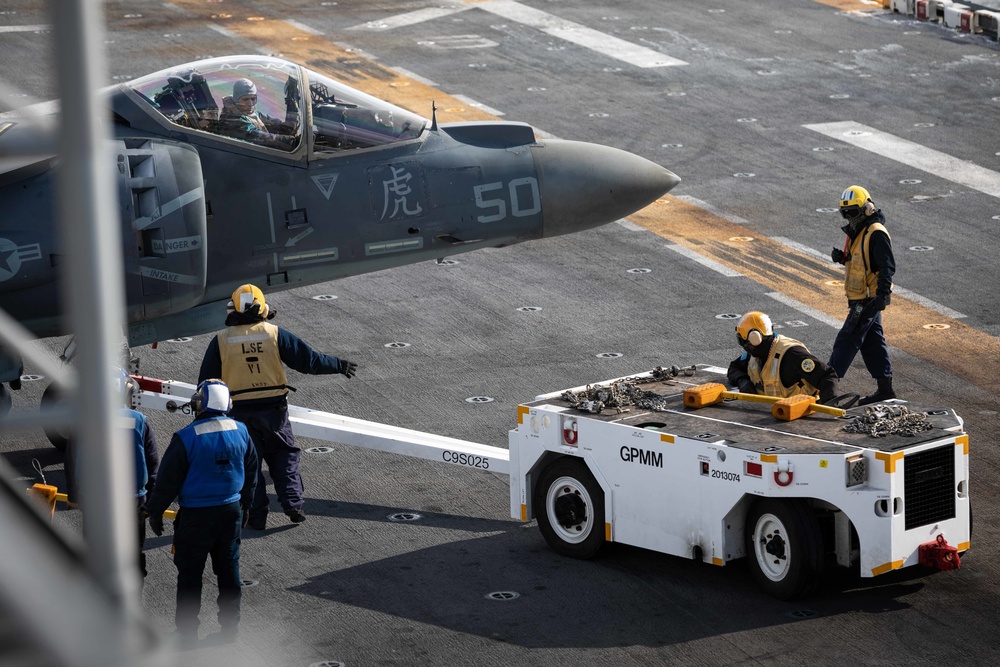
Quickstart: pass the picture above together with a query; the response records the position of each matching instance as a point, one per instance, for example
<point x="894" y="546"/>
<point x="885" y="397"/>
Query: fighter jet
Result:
<point x="255" y="169"/>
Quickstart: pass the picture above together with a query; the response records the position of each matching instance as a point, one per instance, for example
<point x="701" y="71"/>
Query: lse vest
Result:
<point x="251" y="361"/>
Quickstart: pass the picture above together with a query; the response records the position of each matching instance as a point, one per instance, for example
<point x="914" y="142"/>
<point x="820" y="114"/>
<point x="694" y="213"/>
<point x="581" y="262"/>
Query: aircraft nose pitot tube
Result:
<point x="584" y="185"/>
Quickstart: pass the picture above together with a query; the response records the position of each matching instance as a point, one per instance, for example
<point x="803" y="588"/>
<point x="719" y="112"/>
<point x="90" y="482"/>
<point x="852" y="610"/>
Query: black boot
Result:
<point x="884" y="392"/>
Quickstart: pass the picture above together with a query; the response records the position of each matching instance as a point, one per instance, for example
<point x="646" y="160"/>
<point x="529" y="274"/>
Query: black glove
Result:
<point x="156" y="524"/>
<point x="838" y="256"/>
<point x="348" y="368"/>
<point x="291" y="90"/>
<point x="246" y="517"/>
<point x="746" y="386"/>
<point x="292" y="102"/>
<point x="880" y="301"/>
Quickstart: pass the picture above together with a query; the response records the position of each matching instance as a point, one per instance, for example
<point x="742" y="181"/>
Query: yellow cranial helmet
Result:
<point x="246" y="296"/>
<point x="753" y="327"/>
<point x="854" y="201"/>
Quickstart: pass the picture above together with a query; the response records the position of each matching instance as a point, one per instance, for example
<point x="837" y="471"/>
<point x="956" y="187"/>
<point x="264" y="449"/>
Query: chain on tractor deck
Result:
<point x="882" y="420"/>
<point x="622" y="394"/>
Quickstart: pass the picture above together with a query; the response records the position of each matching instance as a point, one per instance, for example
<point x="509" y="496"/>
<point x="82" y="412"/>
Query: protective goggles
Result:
<point x="848" y="212"/>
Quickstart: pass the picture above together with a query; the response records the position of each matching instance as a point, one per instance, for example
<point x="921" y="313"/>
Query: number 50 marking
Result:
<point x="500" y="205"/>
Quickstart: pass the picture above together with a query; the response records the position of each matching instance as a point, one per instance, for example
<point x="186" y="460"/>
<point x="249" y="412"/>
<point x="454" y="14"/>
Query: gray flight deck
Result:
<point x="411" y="562"/>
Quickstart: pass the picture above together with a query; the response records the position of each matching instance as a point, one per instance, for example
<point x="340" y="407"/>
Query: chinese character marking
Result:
<point x="398" y="188"/>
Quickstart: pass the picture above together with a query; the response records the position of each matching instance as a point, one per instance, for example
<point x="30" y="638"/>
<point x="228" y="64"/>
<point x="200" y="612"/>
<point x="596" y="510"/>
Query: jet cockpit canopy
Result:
<point x="213" y="96"/>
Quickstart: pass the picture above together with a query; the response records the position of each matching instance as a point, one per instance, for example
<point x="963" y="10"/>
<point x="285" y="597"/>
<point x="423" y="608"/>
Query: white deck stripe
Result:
<point x="578" y="34"/>
<point x="926" y="303"/>
<point x="804" y="249"/>
<point x="912" y="154"/>
<point x="180" y="10"/>
<point x="628" y="224"/>
<point x="303" y="27"/>
<point x="705" y="206"/>
<point x="808" y="310"/>
<point x="24" y="28"/>
<point x="223" y="31"/>
<point x="410" y="18"/>
<point x="705" y="261"/>
<point x="479" y="105"/>
<point x="416" y="77"/>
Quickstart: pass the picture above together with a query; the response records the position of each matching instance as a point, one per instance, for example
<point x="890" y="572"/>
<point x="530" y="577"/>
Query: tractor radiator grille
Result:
<point x="929" y="485"/>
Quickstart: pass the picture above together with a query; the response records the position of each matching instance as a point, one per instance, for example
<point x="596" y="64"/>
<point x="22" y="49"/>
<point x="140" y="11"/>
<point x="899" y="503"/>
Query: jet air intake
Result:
<point x="164" y="226"/>
<point x="585" y="185"/>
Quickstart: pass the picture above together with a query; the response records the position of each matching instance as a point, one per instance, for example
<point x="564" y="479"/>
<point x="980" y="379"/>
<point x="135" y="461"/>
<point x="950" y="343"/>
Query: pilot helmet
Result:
<point x="752" y="329"/>
<point x="856" y="204"/>
<point x="211" y="396"/>
<point x="243" y="87"/>
<point x="247" y="297"/>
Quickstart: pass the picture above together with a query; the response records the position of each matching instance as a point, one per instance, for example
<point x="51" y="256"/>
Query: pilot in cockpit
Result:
<point x="241" y="120"/>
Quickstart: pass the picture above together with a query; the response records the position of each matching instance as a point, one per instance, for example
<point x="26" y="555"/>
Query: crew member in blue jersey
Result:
<point x="146" y="456"/>
<point x="250" y="355"/>
<point x="210" y="467"/>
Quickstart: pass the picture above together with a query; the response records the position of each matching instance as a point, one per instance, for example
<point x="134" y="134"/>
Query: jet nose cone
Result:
<point x="584" y="185"/>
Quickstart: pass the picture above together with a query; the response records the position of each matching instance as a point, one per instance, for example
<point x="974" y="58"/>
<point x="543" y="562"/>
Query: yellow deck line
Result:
<point x="959" y="349"/>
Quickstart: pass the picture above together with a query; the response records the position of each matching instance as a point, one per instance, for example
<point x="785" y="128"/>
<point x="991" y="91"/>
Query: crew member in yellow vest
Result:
<point x="250" y="356"/>
<point x="869" y="267"/>
<point x="776" y="365"/>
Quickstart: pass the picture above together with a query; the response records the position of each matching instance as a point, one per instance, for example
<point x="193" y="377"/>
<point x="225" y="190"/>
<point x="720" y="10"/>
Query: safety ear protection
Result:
<point x="753" y="328"/>
<point x="211" y="395"/>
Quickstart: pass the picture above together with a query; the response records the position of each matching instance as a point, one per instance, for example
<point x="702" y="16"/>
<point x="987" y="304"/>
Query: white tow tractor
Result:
<point x="727" y="480"/>
<point x="664" y="461"/>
